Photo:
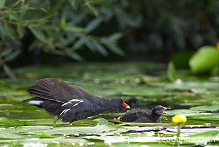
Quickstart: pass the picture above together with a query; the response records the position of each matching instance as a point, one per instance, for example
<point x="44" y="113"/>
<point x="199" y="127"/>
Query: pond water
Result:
<point x="196" y="97"/>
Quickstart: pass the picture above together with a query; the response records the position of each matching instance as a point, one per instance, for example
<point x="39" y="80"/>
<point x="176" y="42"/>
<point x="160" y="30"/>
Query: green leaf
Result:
<point x="9" y="72"/>
<point x="6" y="52"/>
<point x="73" y="28"/>
<point x="79" y="43"/>
<point x="114" y="48"/>
<point x="11" y="122"/>
<point x="4" y="84"/>
<point x="214" y="71"/>
<point x="93" y="24"/>
<point x="20" y="31"/>
<point x="212" y="133"/>
<point x="101" y="49"/>
<point x="171" y="72"/>
<point x="90" y="45"/>
<point x="206" y="108"/>
<point x="38" y="34"/>
<point x="73" y="55"/>
<point x="104" y="122"/>
<point x="2" y="3"/>
<point x="6" y="138"/>
<point x="91" y="8"/>
<point x="10" y="31"/>
<point x="44" y="135"/>
<point x="115" y="37"/>
<point x="12" y="55"/>
<point x="63" y="21"/>
<point x="204" y="60"/>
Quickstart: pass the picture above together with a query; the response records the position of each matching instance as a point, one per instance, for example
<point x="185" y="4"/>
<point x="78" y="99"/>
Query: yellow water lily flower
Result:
<point x="179" y="118"/>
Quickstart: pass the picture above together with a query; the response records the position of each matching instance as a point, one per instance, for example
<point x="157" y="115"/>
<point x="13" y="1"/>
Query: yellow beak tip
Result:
<point x="128" y="107"/>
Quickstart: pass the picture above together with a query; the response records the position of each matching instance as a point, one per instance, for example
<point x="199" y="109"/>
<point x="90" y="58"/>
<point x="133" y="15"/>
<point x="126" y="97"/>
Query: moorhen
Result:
<point x="132" y="102"/>
<point x="69" y="102"/>
<point x="145" y="116"/>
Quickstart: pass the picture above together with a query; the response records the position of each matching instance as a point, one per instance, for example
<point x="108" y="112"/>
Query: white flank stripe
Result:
<point x="35" y="102"/>
<point x="77" y="103"/>
<point x="72" y="102"/>
<point x="64" y="111"/>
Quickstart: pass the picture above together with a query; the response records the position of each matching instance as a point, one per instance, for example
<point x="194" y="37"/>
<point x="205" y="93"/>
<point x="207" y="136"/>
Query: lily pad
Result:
<point x="211" y="133"/>
<point x="206" y="108"/>
<point x="11" y="122"/>
<point x="204" y="60"/>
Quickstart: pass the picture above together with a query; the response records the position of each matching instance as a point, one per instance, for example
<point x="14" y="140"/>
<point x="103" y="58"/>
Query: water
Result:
<point x="196" y="97"/>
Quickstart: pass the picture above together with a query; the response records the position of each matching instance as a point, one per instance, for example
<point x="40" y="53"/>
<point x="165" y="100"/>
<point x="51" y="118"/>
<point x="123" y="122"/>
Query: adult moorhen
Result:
<point x="132" y="102"/>
<point x="69" y="102"/>
<point x="145" y="116"/>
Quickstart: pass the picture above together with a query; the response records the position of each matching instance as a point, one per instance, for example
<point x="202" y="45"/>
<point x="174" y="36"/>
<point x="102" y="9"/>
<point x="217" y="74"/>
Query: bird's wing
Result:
<point x="131" y="116"/>
<point x="54" y="89"/>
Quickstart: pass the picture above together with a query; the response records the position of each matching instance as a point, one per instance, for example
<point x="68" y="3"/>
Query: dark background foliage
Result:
<point x="50" y="32"/>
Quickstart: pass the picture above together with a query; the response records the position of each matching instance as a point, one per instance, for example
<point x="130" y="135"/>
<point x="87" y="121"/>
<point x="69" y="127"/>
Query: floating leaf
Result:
<point x="204" y="60"/>
<point x="104" y="122"/>
<point x="11" y="122"/>
<point x="4" y="84"/>
<point x="212" y="133"/>
<point x="6" y="138"/>
<point x="206" y="108"/>
<point x="44" y="135"/>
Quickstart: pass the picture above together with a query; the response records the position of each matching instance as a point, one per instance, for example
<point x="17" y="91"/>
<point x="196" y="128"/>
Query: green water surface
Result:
<point x="196" y="97"/>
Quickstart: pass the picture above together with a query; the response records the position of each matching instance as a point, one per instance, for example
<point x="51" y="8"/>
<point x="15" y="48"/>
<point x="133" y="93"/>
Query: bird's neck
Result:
<point x="155" y="117"/>
<point x="107" y="104"/>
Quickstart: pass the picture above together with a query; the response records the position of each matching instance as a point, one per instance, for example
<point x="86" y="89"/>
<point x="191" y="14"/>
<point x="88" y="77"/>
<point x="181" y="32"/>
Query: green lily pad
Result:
<point x="204" y="60"/>
<point x="11" y="122"/>
<point x="206" y="108"/>
<point x="44" y="135"/>
<point x="211" y="133"/>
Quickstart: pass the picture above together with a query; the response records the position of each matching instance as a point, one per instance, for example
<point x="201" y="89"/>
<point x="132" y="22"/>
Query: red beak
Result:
<point x="125" y="105"/>
<point x="165" y="108"/>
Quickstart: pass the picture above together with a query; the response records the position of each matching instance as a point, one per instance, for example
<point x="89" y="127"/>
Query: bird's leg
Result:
<point x="54" y="121"/>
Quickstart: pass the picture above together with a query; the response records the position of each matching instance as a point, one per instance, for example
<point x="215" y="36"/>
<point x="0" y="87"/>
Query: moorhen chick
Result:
<point x="69" y="102"/>
<point x="145" y="116"/>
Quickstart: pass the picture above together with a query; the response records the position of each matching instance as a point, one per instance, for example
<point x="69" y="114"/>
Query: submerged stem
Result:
<point x="178" y="131"/>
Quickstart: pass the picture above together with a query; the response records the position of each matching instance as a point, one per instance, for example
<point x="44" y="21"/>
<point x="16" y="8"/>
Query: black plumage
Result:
<point x="144" y="116"/>
<point x="69" y="102"/>
<point x="133" y="103"/>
